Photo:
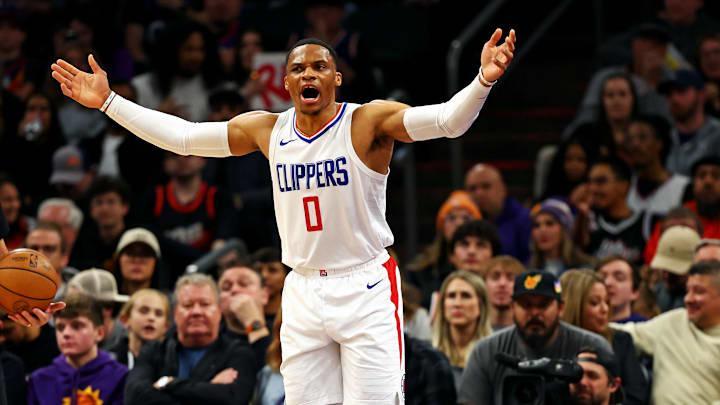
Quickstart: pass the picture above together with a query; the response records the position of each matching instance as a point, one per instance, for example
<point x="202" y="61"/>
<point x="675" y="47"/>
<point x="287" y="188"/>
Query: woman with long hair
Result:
<point x="552" y="246"/>
<point x="463" y="318"/>
<point x="570" y="166"/>
<point x="587" y="306"/>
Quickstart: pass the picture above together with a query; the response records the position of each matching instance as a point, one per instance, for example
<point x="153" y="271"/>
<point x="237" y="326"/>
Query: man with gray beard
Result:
<point x="538" y="332"/>
<point x="695" y="135"/>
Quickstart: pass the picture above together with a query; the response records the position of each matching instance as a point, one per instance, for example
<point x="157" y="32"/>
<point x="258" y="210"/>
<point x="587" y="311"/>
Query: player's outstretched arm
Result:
<point x="168" y="132"/>
<point x="452" y="118"/>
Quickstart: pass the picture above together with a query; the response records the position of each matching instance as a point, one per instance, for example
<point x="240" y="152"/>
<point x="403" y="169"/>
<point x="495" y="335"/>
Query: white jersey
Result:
<point x="330" y="207"/>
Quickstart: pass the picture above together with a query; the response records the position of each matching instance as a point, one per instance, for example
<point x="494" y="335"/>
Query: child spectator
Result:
<point x="146" y="316"/>
<point x="82" y="373"/>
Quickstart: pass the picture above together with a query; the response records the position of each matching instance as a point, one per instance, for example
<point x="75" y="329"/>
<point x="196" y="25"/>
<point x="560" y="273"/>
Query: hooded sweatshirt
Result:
<point x="101" y="379"/>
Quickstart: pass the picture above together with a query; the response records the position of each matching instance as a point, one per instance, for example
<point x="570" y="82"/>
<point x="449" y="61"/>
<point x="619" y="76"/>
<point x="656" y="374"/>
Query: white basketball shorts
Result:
<point x="341" y="336"/>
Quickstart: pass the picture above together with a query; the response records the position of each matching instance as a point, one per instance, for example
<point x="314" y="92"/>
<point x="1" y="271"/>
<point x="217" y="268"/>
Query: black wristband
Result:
<point x="4" y="228"/>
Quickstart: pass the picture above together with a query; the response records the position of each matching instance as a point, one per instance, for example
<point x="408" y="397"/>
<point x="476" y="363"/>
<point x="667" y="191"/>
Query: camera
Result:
<point x="540" y="381"/>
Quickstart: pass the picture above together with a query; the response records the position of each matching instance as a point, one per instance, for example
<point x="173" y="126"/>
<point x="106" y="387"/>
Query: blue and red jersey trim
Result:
<point x="310" y="138"/>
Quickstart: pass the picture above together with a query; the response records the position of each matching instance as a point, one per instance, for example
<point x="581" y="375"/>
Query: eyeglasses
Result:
<point x="45" y="248"/>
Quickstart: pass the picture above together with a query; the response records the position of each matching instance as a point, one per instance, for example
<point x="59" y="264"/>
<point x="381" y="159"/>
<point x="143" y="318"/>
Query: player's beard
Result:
<point x="537" y="340"/>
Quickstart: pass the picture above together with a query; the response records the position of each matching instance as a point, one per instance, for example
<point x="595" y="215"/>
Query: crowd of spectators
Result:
<point x="615" y="263"/>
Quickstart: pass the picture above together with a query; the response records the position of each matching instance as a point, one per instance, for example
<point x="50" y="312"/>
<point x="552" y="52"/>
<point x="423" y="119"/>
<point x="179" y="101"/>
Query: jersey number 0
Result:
<point x="313" y="219"/>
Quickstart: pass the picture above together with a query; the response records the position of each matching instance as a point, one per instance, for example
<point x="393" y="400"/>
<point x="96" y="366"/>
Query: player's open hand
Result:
<point x="88" y="89"/>
<point x="38" y="317"/>
<point x="495" y="58"/>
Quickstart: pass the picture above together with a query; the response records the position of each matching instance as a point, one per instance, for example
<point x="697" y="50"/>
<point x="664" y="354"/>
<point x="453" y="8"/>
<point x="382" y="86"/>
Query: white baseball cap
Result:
<point x="676" y="250"/>
<point x="140" y="235"/>
<point x="99" y="284"/>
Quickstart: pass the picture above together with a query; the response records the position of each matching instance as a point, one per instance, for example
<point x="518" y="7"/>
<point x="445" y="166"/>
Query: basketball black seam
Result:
<point x="30" y="271"/>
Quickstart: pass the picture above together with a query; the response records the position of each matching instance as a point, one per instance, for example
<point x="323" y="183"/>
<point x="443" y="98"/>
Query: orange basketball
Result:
<point x="27" y="280"/>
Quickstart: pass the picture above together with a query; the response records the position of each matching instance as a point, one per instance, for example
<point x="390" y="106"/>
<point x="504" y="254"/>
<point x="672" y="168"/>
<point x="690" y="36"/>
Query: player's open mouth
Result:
<point x="309" y="94"/>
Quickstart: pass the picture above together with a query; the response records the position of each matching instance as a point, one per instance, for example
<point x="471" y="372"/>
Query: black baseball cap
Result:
<point x="652" y="31"/>
<point x="537" y="282"/>
<point x="682" y="79"/>
<point x="607" y="359"/>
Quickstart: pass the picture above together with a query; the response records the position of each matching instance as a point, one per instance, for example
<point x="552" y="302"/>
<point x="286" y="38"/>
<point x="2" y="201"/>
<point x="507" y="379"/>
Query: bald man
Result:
<point x="487" y="188"/>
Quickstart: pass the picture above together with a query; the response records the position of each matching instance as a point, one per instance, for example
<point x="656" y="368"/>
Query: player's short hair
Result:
<point x="81" y="305"/>
<point x="481" y="229"/>
<point x="313" y="41"/>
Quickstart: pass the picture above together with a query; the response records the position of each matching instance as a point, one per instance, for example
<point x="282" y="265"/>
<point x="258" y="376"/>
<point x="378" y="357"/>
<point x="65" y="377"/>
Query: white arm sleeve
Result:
<point x="209" y="139"/>
<point x="450" y="119"/>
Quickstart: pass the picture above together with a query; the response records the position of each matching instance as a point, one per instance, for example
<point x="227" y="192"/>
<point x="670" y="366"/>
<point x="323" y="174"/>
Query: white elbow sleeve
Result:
<point x="209" y="139"/>
<point x="450" y="119"/>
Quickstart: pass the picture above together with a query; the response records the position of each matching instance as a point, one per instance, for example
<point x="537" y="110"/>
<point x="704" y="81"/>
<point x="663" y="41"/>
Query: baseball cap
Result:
<point x="139" y="235"/>
<point x="457" y="199"/>
<point x="537" y="282"/>
<point x="607" y="359"/>
<point x="713" y="160"/>
<point x="676" y="250"/>
<point x="67" y="166"/>
<point x="559" y="209"/>
<point x="683" y="78"/>
<point x="652" y="31"/>
<point x="99" y="284"/>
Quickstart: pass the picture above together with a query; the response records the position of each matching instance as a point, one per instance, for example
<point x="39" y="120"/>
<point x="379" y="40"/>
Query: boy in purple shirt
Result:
<point x="82" y="373"/>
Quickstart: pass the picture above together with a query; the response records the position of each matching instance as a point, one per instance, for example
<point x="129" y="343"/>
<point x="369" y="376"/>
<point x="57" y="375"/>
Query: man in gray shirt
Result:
<point x="537" y="333"/>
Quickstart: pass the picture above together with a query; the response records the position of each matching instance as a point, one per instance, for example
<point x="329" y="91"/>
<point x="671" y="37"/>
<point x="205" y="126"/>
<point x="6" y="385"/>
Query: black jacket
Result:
<point x="158" y="359"/>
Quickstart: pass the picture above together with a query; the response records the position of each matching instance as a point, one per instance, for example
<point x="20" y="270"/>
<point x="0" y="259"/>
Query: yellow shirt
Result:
<point x="686" y="360"/>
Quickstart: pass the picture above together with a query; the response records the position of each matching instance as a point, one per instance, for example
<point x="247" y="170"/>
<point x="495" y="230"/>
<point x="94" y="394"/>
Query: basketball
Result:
<point x="27" y="281"/>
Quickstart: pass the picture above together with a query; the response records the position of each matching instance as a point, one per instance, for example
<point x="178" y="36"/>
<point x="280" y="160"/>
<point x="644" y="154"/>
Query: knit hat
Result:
<point x="559" y="209"/>
<point x="676" y="250"/>
<point x="457" y="199"/>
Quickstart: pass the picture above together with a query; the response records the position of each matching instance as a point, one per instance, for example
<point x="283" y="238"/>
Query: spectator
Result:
<point x="587" y="306"/>
<point x="653" y="190"/>
<point x="65" y="213"/>
<point x="198" y="364"/>
<point x="692" y="376"/>
<point x="146" y="316"/>
<point x="681" y="215"/>
<point x="69" y="177"/>
<point x="270" y="388"/>
<point x="695" y="134"/>
<point x="569" y="167"/>
<point x="47" y="238"/>
<point x="138" y="258"/>
<point x="552" y="246"/>
<point x="600" y="384"/>
<point x="429" y="268"/>
<point x="463" y="318"/>
<point x="686" y="22"/>
<point x="83" y="372"/>
<point x="97" y="241"/>
<point x="708" y="60"/>
<point x="100" y="285"/>
<point x="473" y="244"/>
<point x="706" y="250"/>
<point x="429" y="376"/>
<point x="622" y="281"/>
<point x="34" y="345"/>
<point x="488" y="191"/>
<point x="19" y="224"/>
<point x="20" y="73"/>
<point x="189" y="216"/>
<point x="268" y="262"/>
<point x="242" y="299"/>
<point x="499" y="278"/>
<point x="673" y="259"/>
<point x="250" y="44"/>
<point x="538" y="332"/>
<point x="184" y="69"/>
<point x="617" y="229"/>
<point x="416" y="319"/>
<point x="38" y="135"/>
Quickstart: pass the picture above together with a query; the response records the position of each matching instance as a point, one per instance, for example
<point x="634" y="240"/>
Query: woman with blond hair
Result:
<point x="463" y="318"/>
<point x="587" y="306"/>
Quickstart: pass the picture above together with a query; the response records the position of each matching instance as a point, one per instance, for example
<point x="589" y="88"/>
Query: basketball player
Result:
<point x="341" y="334"/>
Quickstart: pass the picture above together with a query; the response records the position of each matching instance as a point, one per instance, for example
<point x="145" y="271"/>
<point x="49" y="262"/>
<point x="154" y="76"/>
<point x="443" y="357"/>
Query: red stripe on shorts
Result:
<point x="390" y="266"/>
